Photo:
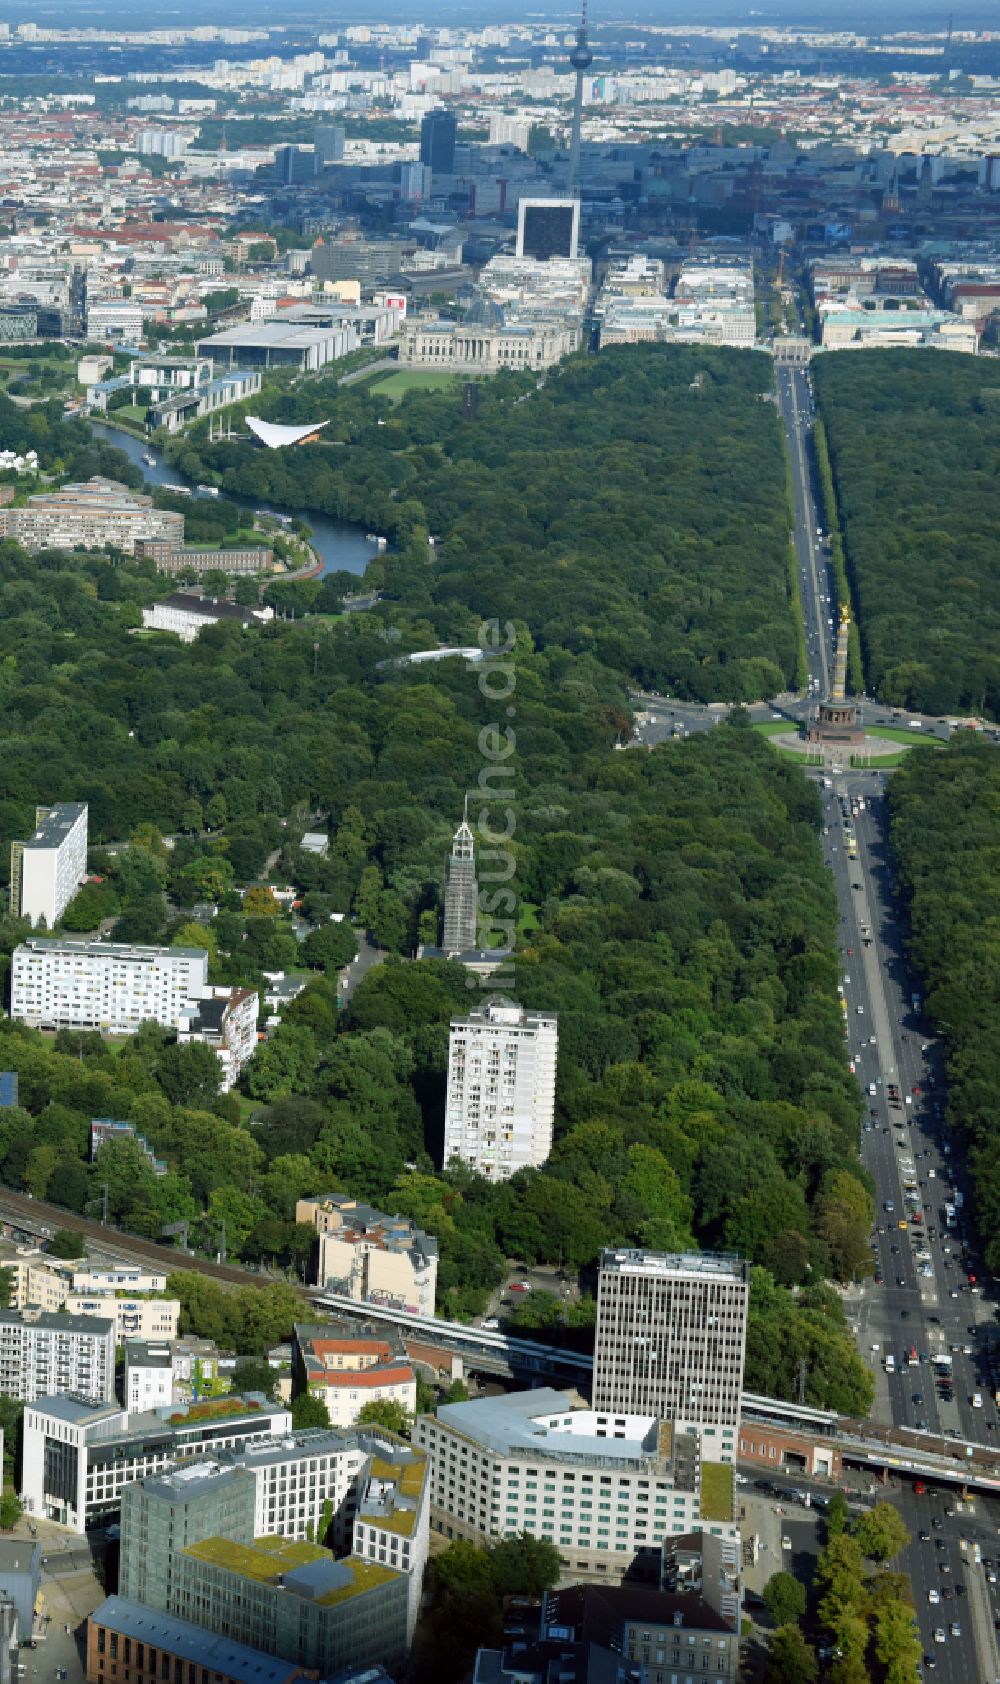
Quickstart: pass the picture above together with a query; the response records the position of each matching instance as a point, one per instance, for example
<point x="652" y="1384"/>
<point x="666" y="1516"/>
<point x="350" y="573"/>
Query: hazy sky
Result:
<point x="883" y="14"/>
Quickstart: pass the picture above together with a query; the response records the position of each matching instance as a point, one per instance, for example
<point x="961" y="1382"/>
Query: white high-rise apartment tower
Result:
<point x="671" y="1338"/>
<point x="47" y="870"/>
<point x="501" y="1089"/>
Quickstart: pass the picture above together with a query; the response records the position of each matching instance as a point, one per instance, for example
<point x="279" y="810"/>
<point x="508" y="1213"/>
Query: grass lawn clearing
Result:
<point x="527" y="917"/>
<point x="397" y="384"/>
<point x="899" y="734"/>
<point x="130" y="415"/>
<point x="775" y="727"/>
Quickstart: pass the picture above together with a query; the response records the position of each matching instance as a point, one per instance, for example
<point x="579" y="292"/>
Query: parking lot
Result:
<point x="521" y="1281"/>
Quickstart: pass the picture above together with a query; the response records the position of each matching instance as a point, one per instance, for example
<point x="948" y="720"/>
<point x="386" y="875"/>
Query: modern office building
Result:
<point x="438" y="135"/>
<point x="281" y="344"/>
<point x="347" y="1367"/>
<point x="191" y="1547"/>
<point x="78" y="1457"/>
<point x="671" y="1338"/>
<point x="159" y="378"/>
<point x="355" y="259"/>
<point x="376" y="1487"/>
<point x="297" y="1600"/>
<point x="392" y="1514"/>
<point x="711" y="303"/>
<point x="536" y="288"/>
<point x="168" y="1512"/>
<point x="294" y="165"/>
<point x="501" y="1089"/>
<point x="369" y="1256"/>
<point x="510" y="131"/>
<point x="461" y="895"/>
<point x="223" y="390"/>
<point x="304" y="1476"/>
<point x="328" y="145"/>
<point x="605" y="1488"/>
<point x="636" y="321"/>
<point x="97" y="513"/>
<point x="548" y="227"/>
<point x="47" y="870"/>
<point x="415" y="181"/>
<point x="895" y="327"/>
<point x="51" y="1352"/>
<point x="374" y="324"/>
<point x="114" y="318"/>
<point x="18" y="322"/>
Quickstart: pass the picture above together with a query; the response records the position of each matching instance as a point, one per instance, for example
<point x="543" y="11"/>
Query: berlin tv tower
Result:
<point x="581" y="58"/>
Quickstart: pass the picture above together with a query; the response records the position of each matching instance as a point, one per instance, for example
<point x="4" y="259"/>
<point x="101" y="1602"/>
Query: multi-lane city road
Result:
<point x="925" y="1300"/>
<point x="795" y="404"/>
<point x="920" y="1304"/>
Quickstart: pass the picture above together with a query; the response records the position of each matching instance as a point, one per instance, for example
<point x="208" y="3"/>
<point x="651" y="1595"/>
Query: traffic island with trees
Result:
<point x="862" y="1609"/>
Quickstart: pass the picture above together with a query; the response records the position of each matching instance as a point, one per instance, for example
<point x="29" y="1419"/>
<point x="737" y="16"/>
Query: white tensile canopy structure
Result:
<point x="274" y="435"/>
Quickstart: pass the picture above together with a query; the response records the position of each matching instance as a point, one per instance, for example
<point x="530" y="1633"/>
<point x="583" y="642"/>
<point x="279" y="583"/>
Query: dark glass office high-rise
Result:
<point x="437" y="142"/>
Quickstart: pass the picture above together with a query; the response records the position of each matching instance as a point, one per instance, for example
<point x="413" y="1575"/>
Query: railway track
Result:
<point x="35" y="1216"/>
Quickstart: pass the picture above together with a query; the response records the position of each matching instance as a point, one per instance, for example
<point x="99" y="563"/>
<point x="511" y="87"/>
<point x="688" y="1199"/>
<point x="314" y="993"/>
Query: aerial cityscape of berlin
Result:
<point x="500" y="843"/>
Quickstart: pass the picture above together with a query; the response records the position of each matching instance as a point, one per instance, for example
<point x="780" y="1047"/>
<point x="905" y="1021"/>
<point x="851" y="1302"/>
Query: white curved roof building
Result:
<point x="274" y="435"/>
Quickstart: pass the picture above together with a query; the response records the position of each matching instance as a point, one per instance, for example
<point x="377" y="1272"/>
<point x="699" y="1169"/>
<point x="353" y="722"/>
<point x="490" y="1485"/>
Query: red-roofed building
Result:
<point x="347" y="1369"/>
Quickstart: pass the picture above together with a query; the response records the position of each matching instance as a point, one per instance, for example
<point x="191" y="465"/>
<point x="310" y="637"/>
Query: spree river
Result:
<point x="338" y="544"/>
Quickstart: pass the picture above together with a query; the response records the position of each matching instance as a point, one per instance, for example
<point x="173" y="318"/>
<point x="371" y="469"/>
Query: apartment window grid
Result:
<point x="98" y="990"/>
